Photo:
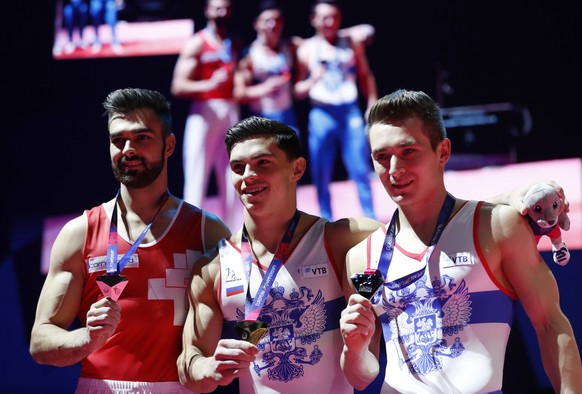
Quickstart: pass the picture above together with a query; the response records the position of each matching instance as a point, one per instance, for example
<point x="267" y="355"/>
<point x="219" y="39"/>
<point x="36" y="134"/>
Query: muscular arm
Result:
<point x="304" y="78"/>
<point x="207" y="361"/>
<point x="366" y="78"/>
<point x="529" y="276"/>
<point x="183" y="83"/>
<point x="243" y="89"/>
<point x="51" y="342"/>
<point x="514" y="197"/>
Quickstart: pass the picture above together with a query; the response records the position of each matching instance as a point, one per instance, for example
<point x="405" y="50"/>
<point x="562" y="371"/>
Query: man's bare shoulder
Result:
<point x="348" y="232"/>
<point x="207" y="266"/>
<point x="67" y="250"/>
<point x="216" y="225"/>
<point x="501" y="227"/>
<point x="192" y="46"/>
<point x="76" y="226"/>
<point x="354" y="225"/>
<point x="502" y="216"/>
<point x="73" y="233"/>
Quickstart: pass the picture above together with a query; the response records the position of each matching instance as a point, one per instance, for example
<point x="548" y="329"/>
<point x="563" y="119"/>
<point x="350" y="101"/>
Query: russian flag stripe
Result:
<point x="230" y="291"/>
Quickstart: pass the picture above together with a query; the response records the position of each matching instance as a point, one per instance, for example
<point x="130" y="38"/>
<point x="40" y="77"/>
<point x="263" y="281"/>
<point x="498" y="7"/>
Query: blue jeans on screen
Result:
<point x="342" y="125"/>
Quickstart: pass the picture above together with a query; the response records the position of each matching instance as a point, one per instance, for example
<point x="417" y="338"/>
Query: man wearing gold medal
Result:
<point x="279" y="269"/>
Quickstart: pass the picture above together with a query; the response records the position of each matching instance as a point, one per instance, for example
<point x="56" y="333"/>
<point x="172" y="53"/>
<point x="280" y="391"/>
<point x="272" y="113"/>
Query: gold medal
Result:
<point x="251" y="331"/>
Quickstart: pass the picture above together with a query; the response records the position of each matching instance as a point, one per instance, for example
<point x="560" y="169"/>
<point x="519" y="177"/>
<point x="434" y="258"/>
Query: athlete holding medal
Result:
<point x="452" y="271"/>
<point x="280" y="273"/>
<point x="275" y="281"/>
<point x="131" y="324"/>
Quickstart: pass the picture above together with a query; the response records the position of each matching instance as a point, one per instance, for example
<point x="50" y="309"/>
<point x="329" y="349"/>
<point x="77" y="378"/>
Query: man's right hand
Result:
<point x="357" y="323"/>
<point x="219" y="77"/>
<point x="102" y="320"/>
<point x="231" y="359"/>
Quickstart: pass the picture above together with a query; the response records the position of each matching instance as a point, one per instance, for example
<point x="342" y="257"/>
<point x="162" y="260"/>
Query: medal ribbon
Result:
<point x="253" y="306"/>
<point x="224" y="53"/>
<point x="390" y="240"/>
<point x="115" y="267"/>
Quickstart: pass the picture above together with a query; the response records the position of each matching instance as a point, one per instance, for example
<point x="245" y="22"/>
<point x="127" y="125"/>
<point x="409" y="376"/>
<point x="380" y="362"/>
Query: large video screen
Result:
<point x="114" y="28"/>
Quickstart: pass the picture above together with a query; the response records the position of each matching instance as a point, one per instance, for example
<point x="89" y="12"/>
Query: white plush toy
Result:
<point x="546" y="215"/>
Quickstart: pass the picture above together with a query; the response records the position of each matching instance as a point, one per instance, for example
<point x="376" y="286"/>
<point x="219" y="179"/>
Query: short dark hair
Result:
<point x="336" y="3"/>
<point x="265" y="5"/>
<point x="285" y="137"/>
<point x="402" y="104"/>
<point x="125" y="101"/>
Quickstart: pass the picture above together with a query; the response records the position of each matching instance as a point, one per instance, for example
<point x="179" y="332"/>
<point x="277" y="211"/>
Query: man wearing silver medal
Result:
<point x="127" y="342"/>
<point x="452" y="270"/>
<point x="282" y="269"/>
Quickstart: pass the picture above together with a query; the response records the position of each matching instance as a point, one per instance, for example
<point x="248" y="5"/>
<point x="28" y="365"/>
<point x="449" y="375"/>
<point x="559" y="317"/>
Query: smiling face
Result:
<point x="138" y="148"/>
<point x="408" y="167"/>
<point x="263" y="176"/>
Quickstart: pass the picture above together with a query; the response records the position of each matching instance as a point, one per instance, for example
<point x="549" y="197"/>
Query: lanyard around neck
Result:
<point x="390" y="240"/>
<point x="253" y="306"/>
<point x="114" y="266"/>
<point x="224" y="49"/>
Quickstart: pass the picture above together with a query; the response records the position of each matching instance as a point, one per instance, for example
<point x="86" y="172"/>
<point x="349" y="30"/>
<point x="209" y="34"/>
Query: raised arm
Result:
<point x="51" y="342"/>
<point x="363" y="33"/>
<point x="533" y="282"/>
<point x="366" y="78"/>
<point x="514" y="198"/>
<point x="207" y="361"/>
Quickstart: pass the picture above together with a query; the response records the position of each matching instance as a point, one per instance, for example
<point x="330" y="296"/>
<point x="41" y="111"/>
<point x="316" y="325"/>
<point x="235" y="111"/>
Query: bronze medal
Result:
<point x="111" y="285"/>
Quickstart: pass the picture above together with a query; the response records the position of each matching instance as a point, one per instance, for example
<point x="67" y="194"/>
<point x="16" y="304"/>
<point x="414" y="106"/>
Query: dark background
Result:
<point x="55" y="144"/>
<point x="518" y="52"/>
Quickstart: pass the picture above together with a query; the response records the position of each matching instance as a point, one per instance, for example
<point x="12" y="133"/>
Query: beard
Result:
<point x="137" y="178"/>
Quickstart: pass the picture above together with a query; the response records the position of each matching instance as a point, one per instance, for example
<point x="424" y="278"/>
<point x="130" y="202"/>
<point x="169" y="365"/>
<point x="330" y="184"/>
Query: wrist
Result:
<point x="193" y="358"/>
